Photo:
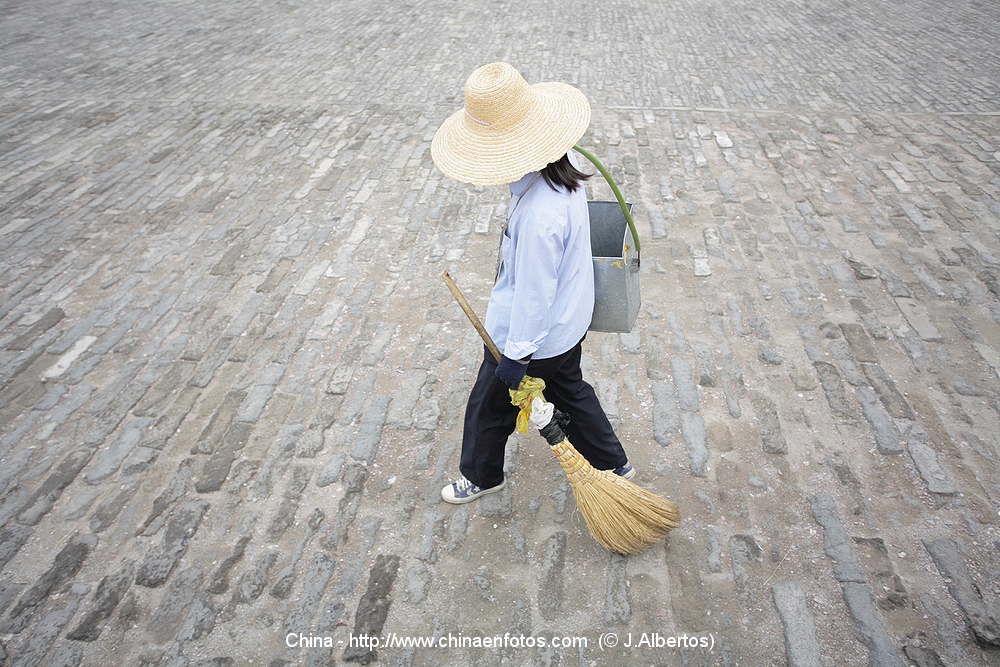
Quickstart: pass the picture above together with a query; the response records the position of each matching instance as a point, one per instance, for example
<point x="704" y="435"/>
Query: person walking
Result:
<point x="543" y="294"/>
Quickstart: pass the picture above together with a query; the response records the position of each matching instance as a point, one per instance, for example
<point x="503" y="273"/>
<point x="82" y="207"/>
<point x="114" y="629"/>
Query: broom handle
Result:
<point x="557" y="417"/>
<point x="471" y="314"/>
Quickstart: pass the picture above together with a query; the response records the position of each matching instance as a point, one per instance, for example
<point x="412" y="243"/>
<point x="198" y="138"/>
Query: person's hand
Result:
<point x="511" y="372"/>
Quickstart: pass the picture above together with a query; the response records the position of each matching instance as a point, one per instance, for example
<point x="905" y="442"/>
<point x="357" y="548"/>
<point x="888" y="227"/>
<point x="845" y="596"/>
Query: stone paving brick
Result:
<point x="107" y="460"/>
<point x="40" y="326"/>
<point x="218" y="466"/>
<point x="925" y="458"/>
<point x="665" y="416"/>
<point x="176" y="600"/>
<point x="861" y="347"/>
<point x="317" y="577"/>
<point x="64" y="567"/>
<point x="893" y="401"/>
<point x="950" y="561"/>
<point x="918" y="318"/>
<point x="884" y="430"/>
<point x="771" y="436"/>
<point x="67" y="359"/>
<point x="836" y="396"/>
<point x="107" y="511"/>
<point x="801" y="647"/>
<point x="46" y="494"/>
<point x="857" y="595"/>
<point x="30" y="649"/>
<point x="108" y="594"/>
<point x="617" y="606"/>
<point x="180" y="527"/>
<point x="286" y="577"/>
<point x="373" y="608"/>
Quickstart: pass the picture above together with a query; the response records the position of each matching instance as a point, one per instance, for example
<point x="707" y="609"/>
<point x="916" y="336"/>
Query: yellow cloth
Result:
<point x="521" y="397"/>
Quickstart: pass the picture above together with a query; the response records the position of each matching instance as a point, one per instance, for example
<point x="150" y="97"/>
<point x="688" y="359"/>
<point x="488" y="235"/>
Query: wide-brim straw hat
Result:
<point x="508" y="127"/>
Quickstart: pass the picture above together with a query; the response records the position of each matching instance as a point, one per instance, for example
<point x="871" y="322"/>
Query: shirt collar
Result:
<point x="518" y="187"/>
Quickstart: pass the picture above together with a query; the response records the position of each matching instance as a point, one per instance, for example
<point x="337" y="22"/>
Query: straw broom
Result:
<point x="622" y="516"/>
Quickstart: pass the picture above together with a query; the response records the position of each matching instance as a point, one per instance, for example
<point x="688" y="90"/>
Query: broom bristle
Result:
<point x="622" y="516"/>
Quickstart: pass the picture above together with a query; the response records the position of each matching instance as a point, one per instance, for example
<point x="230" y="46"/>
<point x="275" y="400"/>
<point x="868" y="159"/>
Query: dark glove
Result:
<point x="511" y="372"/>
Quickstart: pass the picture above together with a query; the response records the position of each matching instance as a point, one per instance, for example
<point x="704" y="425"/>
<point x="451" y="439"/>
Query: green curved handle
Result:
<point x="614" y="188"/>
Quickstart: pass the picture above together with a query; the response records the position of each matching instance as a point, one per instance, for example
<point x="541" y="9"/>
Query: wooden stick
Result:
<point x="471" y="314"/>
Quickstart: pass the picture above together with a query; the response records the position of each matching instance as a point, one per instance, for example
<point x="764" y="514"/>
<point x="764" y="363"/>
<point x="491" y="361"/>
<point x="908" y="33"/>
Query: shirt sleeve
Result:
<point x="538" y="253"/>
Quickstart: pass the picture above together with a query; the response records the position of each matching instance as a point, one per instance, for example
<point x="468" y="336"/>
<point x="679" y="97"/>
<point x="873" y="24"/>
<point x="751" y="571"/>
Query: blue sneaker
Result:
<point x="626" y="471"/>
<point x="463" y="491"/>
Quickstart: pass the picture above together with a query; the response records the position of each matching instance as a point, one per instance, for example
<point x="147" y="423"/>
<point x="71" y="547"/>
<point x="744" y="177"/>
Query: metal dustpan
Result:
<point x="616" y="261"/>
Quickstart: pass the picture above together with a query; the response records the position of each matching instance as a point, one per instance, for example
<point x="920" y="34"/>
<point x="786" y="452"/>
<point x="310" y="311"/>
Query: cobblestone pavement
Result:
<point x="233" y="382"/>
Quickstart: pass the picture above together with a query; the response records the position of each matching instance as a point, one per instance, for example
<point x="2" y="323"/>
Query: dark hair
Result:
<point x="562" y="172"/>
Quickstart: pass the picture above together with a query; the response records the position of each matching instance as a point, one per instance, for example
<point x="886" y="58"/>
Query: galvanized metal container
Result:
<point x="616" y="261"/>
<point x="616" y="268"/>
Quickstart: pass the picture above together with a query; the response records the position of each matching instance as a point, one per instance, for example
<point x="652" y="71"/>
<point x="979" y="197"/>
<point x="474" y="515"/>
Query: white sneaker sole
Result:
<point x="462" y="501"/>
<point x="629" y="475"/>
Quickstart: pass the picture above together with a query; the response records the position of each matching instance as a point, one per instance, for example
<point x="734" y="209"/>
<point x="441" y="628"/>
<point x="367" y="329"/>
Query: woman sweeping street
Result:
<point x="540" y="308"/>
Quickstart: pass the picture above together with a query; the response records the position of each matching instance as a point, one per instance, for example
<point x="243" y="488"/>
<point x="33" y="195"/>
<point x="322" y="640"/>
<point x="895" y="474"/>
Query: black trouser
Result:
<point x="490" y="417"/>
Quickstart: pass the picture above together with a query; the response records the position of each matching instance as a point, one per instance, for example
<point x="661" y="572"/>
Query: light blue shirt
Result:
<point x="543" y="299"/>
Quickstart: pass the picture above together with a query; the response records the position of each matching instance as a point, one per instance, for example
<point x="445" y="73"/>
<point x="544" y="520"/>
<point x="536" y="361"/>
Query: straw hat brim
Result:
<point x="556" y="120"/>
